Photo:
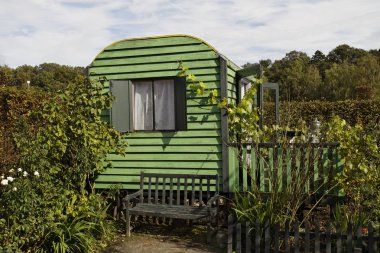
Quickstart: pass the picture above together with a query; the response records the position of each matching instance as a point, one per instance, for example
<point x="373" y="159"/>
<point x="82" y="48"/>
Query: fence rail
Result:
<point x="272" y="167"/>
<point x="306" y="237"/>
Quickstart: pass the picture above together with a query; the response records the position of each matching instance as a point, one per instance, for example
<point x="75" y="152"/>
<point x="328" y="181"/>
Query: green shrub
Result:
<point x="365" y="112"/>
<point x="48" y="204"/>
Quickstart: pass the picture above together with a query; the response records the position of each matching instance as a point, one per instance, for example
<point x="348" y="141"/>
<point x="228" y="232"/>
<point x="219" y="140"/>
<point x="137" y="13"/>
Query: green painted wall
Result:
<point x="195" y="151"/>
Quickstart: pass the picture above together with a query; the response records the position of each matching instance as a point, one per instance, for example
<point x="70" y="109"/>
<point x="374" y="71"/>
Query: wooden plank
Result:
<point x="152" y="67"/>
<point x="244" y="167"/>
<point x="165" y="157"/>
<point x="174" y="141"/>
<point x="203" y="125"/>
<point x="183" y="57"/>
<point x="169" y="49"/>
<point x="261" y="171"/>
<point x="248" y="239"/>
<point x="174" y="149"/>
<point x="130" y="185"/>
<point x="325" y="167"/>
<point x="193" y="133"/>
<point x="150" y="190"/>
<point x="349" y="242"/>
<point x="156" y="191"/>
<point x="195" y="165"/>
<point x="257" y="236"/>
<point x="199" y="102"/>
<point x="276" y="238"/>
<point x="202" y="109"/>
<point x="253" y="168"/>
<point x="307" y="237"/>
<point x="338" y="239"/>
<point x="267" y="237"/>
<point x="288" y="160"/>
<point x="203" y="117"/>
<point x="171" y="192"/>
<point x="233" y="167"/>
<point x="279" y="169"/>
<point x="202" y="74"/>
<point x="328" y="238"/>
<point x="230" y="231"/>
<point x="371" y="241"/>
<point x="296" y="237"/>
<point x="306" y="168"/>
<point x="317" y="239"/>
<point x="271" y="169"/>
<point x="153" y="42"/>
<point x="238" y="238"/>
<point x="358" y="243"/>
<point x="137" y="171"/>
<point x="286" y="237"/>
<point x="316" y="183"/>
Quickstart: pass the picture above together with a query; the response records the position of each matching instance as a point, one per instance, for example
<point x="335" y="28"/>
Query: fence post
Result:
<point x="370" y="238"/>
<point x="328" y="238"/>
<point x="296" y="237"/>
<point x="247" y="236"/>
<point x="349" y="238"/>
<point x="238" y="238"/>
<point x="230" y="233"/>
<point x="317" y="246"/>
<point x="307" y="237"/>
<point x="257" y="236"/>
<point x="267" y="236"/>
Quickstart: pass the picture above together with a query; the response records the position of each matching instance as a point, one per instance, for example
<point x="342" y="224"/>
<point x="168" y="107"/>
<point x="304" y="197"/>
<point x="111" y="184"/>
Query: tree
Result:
<point x="297" y="78"/>
<point x="353" y="81"/>
<point x="345" y="53"/>
<point x="5" y="75"/>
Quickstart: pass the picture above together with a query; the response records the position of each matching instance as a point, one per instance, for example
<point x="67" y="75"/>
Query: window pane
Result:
<point x="143" y="106"/>
<point x="164" y="105"/>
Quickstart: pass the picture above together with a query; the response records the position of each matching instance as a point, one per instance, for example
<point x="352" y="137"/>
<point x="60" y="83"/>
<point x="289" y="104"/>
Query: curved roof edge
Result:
<point x="157" y="37"/>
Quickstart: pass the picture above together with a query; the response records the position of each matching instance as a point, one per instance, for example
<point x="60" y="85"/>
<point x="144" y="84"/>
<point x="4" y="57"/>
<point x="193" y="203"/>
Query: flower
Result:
<point x="36" y="174"/>
<point x="10" y="179"/>
<point x="19" y="170"/>
<point x="2" y="177"/>
<point x="14" y="189"/>
<point x="4" y="182"/>
<point x="25" y="173"/>
<point x="11" y="170"/>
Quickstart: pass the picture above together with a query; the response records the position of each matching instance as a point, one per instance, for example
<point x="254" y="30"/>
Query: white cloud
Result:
<point x="72" y="32"/>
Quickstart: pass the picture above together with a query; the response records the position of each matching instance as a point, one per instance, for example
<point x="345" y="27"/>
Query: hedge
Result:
<point x="365" y="112"/>
<point x="14" y="103"/>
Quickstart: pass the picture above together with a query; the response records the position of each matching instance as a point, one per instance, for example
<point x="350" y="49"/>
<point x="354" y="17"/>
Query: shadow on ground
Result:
<point x="178" y="237"/>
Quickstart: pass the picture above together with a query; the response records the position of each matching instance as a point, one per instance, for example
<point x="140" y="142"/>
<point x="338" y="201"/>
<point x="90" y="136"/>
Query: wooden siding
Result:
<point x="195" y="151"/>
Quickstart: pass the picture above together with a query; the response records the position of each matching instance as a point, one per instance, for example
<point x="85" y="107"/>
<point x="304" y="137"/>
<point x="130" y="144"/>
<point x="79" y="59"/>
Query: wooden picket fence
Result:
<point x="298" y="238"/>
<point x="271" y="166"/>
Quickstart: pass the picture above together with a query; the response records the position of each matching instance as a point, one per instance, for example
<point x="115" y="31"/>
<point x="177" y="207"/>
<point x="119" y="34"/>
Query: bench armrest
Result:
<point x="132" y="196"/>
<point x="210" y="201"/>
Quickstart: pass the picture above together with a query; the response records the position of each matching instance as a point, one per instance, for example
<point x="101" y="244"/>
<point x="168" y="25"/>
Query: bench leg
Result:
<point x="128" y="223"/>
<point x="209" y="231"/>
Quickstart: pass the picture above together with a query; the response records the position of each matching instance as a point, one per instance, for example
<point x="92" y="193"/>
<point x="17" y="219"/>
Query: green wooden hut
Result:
<point x="167" y="128"/>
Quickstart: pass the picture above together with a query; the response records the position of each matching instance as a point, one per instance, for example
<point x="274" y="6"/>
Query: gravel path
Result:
<point x="148" y="238"/>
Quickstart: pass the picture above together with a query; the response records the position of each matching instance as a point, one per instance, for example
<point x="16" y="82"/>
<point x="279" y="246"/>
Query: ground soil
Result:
<point x="176" y="238"/>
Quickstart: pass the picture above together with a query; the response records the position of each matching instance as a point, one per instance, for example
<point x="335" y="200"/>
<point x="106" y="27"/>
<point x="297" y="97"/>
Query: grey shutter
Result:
<point x="180" y="103"/>
<point x="121" y="110"/>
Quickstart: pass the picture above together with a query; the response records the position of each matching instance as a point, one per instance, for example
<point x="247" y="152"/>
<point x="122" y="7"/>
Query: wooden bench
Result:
<point x="176" y="196"/>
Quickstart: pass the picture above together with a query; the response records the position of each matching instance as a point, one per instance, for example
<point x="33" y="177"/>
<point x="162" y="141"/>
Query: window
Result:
<point x="153" y="107"/>
<point x="149" y="105"/>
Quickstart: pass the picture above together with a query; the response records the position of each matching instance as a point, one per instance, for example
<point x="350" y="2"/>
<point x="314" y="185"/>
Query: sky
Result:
<point x="73" y="32"/>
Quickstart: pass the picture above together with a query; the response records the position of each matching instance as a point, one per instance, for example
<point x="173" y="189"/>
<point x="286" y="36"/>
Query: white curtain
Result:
<point x="164" y="104"/>
<point x="143" y="106"/>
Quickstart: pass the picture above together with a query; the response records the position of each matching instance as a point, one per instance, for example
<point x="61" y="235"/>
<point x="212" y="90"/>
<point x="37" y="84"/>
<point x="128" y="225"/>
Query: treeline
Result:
<point x="344" y="73"/>
<point x="47" y="76"/>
